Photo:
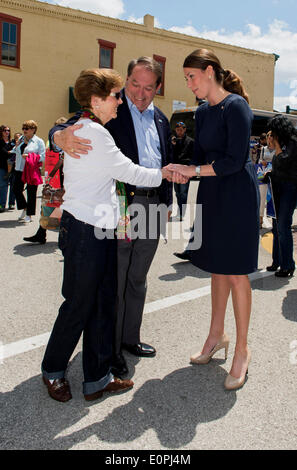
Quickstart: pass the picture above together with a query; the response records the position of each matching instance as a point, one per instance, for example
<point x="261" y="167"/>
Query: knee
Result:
<point x="236" y="282"/>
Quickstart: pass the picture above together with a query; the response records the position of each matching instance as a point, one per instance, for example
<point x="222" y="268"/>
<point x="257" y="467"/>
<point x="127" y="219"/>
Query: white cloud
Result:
<point x="113" y="8"/>
<point x="278" y="39"/>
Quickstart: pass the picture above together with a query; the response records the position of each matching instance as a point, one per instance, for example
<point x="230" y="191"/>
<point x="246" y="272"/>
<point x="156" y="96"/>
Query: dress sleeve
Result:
<point x="198" y="156"/>
<point x="237" y="119"/>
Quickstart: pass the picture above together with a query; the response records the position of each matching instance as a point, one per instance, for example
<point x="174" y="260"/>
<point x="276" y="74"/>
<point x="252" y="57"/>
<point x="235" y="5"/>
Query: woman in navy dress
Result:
<point x="229" y="197"/>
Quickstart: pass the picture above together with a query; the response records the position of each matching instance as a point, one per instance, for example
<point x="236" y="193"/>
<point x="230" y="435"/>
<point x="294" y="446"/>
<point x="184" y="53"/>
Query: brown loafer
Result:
<point x="117" y="386"/>
<point x="58" y="390"/>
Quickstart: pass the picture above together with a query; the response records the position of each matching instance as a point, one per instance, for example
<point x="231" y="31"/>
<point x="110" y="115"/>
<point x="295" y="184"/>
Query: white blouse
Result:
<point x="90" y="182"/>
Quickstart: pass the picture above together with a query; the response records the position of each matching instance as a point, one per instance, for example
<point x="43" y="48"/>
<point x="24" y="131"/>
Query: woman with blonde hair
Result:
<point x="229" y="195"/>
<point x="91" y="213"/>
<point x="28" y="143"/>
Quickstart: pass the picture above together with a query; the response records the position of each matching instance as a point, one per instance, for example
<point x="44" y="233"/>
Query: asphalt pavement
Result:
<point x="174" y="405"/>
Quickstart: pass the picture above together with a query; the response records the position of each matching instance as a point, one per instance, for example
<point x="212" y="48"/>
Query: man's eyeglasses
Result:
<point x="26" y="128"/>
<point x="6" y="130"/>
<point x="117" y="95"/>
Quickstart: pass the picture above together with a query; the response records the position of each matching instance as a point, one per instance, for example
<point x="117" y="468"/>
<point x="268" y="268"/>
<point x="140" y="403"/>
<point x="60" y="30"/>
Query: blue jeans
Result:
<point x="181" y="192"/>
<point x="89" y="288"/>
<point x="285" y="197"/>
<point x="4" y="190"/>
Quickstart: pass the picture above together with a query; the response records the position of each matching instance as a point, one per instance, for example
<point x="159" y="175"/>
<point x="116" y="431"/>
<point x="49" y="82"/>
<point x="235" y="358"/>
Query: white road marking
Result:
<point x="28" y="344"/>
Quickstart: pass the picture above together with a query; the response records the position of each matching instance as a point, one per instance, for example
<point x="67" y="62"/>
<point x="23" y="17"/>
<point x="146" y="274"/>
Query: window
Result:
<point x="10" y="40"/>
<point x="106" y="53"/>
<point x="161" y="61"/>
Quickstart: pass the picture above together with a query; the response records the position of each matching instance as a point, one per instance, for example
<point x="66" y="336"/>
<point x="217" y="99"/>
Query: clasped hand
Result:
<point x="177" y="173"/>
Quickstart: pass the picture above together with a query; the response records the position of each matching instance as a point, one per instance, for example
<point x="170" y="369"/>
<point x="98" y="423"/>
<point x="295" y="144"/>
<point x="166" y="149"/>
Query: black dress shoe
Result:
<point x="273" y="267"/>
<point x="185" y="255"/>
<point x="119" y="366"/>
<point x="284" y="273"/>
<point x="140" y="349"/>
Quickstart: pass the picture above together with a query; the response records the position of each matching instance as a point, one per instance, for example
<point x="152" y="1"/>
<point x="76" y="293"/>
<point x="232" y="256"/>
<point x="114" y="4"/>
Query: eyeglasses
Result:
<point x="26" y="128"/>
<point x="6" y="130"/>
<point x="117" y="95"/>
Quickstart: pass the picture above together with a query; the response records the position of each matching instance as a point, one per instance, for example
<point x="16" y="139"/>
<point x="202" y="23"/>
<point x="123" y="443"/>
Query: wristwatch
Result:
<point x="198" y="169"/>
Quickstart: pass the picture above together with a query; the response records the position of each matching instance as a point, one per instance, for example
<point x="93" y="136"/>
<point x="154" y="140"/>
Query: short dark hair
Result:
<point x="98" y="82"/>
<point x="282" y="129"/>
<point x="148" y="63"/>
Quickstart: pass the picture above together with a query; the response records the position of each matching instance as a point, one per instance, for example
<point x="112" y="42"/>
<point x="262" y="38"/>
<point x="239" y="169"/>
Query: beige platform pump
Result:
<point x="223" y="343"/>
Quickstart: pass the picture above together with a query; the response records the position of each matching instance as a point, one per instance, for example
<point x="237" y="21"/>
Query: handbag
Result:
<point x="51" y="196"/>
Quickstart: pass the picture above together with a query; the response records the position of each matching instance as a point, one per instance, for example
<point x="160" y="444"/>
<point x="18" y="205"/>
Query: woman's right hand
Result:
<point x="70" y="143"/>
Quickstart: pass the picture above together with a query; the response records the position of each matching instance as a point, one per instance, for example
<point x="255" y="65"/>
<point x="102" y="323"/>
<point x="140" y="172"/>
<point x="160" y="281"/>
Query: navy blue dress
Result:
<point x="230" y="200"/>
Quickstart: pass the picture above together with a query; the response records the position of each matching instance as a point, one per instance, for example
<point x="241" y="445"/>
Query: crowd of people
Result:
<point x="119" y="152"/>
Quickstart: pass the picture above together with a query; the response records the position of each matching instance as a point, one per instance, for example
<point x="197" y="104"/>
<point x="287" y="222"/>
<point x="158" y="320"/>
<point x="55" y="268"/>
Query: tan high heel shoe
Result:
<point x="233" y="383"/>
<point x="223" y="343"/>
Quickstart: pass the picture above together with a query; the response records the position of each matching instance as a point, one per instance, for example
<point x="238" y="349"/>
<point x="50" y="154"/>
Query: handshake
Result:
<point x="178" y="173"/>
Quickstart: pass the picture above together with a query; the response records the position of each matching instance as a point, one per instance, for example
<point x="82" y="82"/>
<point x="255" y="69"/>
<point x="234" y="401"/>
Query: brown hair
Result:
<point x="98" y="82"/>
<point x="148" y="63"/>
<point x="2" y="130"/>
<point x="202" y="58"/>
<point x="31" y="124"/>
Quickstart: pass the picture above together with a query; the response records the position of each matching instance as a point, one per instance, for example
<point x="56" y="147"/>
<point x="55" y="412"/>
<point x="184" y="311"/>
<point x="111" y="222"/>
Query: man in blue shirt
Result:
<point x="142" y="133"/>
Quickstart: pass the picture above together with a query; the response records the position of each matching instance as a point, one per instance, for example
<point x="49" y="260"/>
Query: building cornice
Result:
<point x="78" y="16"/>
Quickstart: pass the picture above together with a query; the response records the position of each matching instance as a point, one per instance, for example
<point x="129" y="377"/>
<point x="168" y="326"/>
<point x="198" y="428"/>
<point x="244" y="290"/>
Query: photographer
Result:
<point x="183" y="147"/>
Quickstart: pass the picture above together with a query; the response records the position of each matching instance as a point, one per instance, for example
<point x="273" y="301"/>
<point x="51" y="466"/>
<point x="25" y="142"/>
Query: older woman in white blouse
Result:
<point x="89" y="283"/>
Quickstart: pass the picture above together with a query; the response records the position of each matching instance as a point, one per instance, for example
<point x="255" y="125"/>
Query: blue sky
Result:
<point x="265" y="25"/>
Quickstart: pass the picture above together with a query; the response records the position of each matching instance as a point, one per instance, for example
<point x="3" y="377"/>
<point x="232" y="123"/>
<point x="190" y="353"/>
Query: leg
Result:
<point x="3" y="189"/>
<point x="287" y="204"/>
<point x="31" y="199"/>
<point x="18" y="189"/>
<point x="85" y="263"/>
<point x="220" y="291"/>
<point x="242" y="300"/>
<point x="136" y="286"/>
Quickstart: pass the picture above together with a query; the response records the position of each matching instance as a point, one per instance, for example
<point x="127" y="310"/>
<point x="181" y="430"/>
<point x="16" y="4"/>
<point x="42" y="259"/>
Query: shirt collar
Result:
<point x="149" y="111"/>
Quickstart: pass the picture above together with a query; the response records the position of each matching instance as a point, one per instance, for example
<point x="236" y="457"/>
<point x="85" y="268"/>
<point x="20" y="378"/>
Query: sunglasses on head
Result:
<point x="117" y="95"/>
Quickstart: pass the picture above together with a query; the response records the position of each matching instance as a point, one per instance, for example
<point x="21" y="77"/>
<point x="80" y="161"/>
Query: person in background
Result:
<point x="91" y="208"/>
<point x="183" y="147"/>
<point x="228" y="187"/>
<point x="266" y="156"/>
<point x="5" y="147"/>
<point x="40" y="236"/>
<point x="282" y="138"/>
<point x="29" y="143"/>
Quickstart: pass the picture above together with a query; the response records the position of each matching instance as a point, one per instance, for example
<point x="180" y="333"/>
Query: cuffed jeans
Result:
<point x="285" y="197"/>
<point x="89" y="288"/>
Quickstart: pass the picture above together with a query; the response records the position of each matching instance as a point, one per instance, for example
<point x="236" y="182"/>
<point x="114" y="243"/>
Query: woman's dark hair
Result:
<point x="202" y="58"/>
<point x="2" y="130"/>
<point x="282" y="129"/>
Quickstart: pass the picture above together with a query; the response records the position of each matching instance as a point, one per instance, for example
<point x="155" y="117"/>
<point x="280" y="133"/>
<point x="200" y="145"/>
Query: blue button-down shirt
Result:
<point x="147" y="137"/>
